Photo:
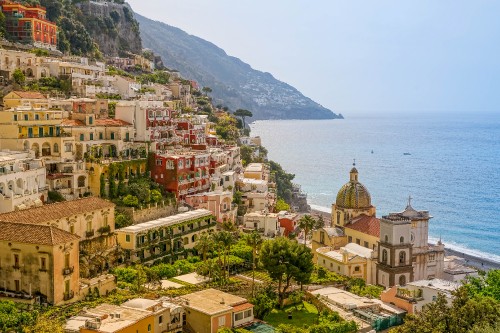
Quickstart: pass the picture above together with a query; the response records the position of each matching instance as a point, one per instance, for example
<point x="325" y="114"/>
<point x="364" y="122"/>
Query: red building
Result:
<point x="182" y="174"/>
<point x="28" y="24"/>
<point x="288" y="221"/>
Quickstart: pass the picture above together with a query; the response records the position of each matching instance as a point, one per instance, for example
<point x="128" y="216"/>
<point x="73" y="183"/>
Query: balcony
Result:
<point x="176" y="326"/>
<point x="90" y="233"/>
<point x="69" y="295"/>
<point x="68" y="270"/>
<point x="104" y="230"/>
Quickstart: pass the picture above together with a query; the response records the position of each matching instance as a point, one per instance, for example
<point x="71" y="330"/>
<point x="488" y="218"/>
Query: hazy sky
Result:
<point x="358" y="57"/>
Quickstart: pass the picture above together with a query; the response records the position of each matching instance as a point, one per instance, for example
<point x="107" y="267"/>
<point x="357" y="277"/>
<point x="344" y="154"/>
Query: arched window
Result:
<point x="338" y="217"/>
<point x="384" y="256"/>
<point x="56" y="148"/>
<point x="402" y="257"/>
<point x="386" y="239"/>
<point x="401" y="239"/>
<point x="402" y="280"/>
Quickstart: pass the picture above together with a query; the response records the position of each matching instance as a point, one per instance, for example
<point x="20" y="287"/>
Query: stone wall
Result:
<point x="151" y="212"/>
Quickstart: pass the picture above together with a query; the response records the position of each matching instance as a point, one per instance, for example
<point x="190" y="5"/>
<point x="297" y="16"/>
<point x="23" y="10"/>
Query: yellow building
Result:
<point x="32" y="99"/>
<point x="254" y="171"/>
<point x="209" y="310"/>
<point x="354" y="213"/>
<point x="332" y="238"/>
<point x="352" y="260"/>
<point x="40" y="130"/>
<point x="91" y="219"/>
<point x="38" y="263"/>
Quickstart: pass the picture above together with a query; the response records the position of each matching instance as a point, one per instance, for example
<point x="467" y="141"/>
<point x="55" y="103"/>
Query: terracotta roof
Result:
<point x="369" y="225"/>
<point x="111" y="122"/>
<point x="71" y="123"/>
<point x="242" y="307"/>
<point x="30" y="94"/>
<point x="34" y="234"/>
<point x="46" y="213"/>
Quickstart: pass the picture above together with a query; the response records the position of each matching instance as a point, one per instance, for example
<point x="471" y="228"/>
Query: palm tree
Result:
<point x="306" y="223"/>
<point x="254" y="240"/>
<point x="225" y="239"/>
<point x="204" y="244"/>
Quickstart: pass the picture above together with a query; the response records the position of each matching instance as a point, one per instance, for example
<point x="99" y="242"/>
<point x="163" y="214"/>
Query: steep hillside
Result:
<point x="234" y="83"/>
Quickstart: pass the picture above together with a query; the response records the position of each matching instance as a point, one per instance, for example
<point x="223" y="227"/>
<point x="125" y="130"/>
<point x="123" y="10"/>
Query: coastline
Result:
<point x="474" y="261"/>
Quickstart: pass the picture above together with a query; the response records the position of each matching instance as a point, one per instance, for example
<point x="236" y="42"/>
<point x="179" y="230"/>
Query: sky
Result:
<point x="358" y="57"/>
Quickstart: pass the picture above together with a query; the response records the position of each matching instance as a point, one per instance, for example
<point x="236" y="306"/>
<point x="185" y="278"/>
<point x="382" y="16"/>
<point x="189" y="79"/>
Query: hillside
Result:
<point x="234" y="83"/>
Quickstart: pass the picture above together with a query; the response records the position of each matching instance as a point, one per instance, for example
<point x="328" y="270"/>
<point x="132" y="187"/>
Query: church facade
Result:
<point x="401" y="251"/>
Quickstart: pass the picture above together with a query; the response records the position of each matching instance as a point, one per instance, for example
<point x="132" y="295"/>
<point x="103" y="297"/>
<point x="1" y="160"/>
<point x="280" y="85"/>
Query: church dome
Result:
<point x="354" y="195"/>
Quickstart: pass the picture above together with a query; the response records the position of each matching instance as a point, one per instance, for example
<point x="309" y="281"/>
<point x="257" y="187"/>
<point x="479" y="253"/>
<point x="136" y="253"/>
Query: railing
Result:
<point x="89" y="233"/>
<point x="68" y="270"/>
<point x="105" y="229"/>
<point x="172" y="327"/>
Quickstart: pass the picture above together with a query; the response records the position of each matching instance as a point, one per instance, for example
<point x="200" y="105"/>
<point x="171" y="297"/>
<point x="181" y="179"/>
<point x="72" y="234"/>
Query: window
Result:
<point x="367" y="245"/>
<point x="358" y="241"/>
<point x="401" y="239"/>
<point x="322" y="237"/>
<point x="25" y="117"/>
<point x="386" y="239"/>
<point x="338" y="217"/>
<point x="56" y="148"/>
<point x="432" y="257"/>
<point x="91" y="136"/>
<point x="15" y="117"/>
<point x="384" y="256"/>
<point x="149" y="328"/>
<point x="43" y="263"/>
<point x="160" y="319"/>
<point x="222" y="321"/>
<point x="356" y="269"/>
<point x="402" y="280"/>
<point x="68" y="147"/>
<point x="105" y="221"/>
<point x="159" y="162"/>
<point x="127" y="238"/>
<point x="89" y="225"/>
<point x="91" y="120"/>
<point x="349" y="239"/>
<point x="238" y="316"/>
<point x="72" y="229"/>
<point x="37" y="117"/>
<point x="100" y="135"/>
<point x="66" y="260"/>
<point x="112" y="135"/>
<point x="402" y="258"/>
<point x="16" y="260"/>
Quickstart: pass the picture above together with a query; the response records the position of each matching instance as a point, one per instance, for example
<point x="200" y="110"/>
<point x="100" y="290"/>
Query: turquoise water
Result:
<point x="453" y="170"/>
<point x="259" y="327"/>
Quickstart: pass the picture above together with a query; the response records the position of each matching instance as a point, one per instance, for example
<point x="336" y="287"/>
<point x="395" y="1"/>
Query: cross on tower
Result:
<point x="354" y="164"/>
<point x="409" y="200"/>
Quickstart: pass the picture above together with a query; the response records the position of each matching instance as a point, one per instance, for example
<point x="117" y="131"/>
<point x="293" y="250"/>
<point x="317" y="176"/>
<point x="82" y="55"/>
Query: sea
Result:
<point x="448" y="165"/>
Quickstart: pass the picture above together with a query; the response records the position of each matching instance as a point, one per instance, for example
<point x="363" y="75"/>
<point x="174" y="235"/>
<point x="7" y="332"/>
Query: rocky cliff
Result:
<point x="234" y="83"/>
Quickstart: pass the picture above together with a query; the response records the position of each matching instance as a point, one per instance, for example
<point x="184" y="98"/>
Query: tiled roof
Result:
<point x="46" y="213"/>
<point x="34" y="234"/>
<point x="242" y="307"/>
<point x="29" y="94"/>
<point x="111" y="122"/>
<point x="369" y="225"/>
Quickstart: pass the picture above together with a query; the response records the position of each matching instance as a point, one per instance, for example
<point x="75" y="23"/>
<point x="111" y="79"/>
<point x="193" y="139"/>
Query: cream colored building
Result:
<point x="254" y="171"/>
<point x="31" y="99"/>
<point x="263" y="222"/>
<point x="331" y="237"/>
<point x="22" y="181"/>
<point x="168" y="317"/>
<point x="127" y="87"/>
<point x="38" y="263"/>
<point x="91" y="219"/>
<point x="31" y="65"/>
<point x="352" y="260"/>
<point x="218" y="202"/>
<point x="165" y="238"/>
<point x="209" y="310"/>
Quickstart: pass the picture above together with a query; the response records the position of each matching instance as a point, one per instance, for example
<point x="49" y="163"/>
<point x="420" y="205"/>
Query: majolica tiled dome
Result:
<point x="354" y="195"/>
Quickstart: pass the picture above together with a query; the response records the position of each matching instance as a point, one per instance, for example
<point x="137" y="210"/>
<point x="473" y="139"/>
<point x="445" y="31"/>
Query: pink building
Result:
<point x="219" y="203"/>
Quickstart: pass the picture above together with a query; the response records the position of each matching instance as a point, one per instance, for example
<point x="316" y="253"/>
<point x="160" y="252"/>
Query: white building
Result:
<point x="127" y="87"/>
<point x="22" y="181"/>
<point x="265" y="223"/>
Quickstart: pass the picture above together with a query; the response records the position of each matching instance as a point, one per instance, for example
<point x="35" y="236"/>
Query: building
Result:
<point x="352" y="260"/>
<point x="38" y="263"/>
<point x="181" y="173"/>
<point x="32" y="99"/>
<point x="31" y="65"/>
<point x="263" y="222"/>
<point x="111" y="319"/>
<point x="254" y="171"/>
<point x="456" y="269"/>
<point x="91" y="219"/>
<point x="288" y="222"/>
<point x="404" y="251"/>
<point x="168" y="317"/>
<point x="127" y="87"/>
<point x="28" y="24"/>
<point x="22" y="181"/>
<point x="414" y="295"/>
<point x="331" y="237"/>
<point x="170" y="237"/>
<point x="209" y="310"/>
<point x="219" y="203"/>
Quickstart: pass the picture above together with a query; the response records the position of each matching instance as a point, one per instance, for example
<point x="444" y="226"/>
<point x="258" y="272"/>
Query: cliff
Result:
<point x="234" y="83"/>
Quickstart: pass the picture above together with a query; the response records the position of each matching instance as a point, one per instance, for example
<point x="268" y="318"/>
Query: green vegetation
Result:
<point x="226" y="128"/>
<point x="50" y="84"/>
<point x="281" y="205"/>
<point x="13" y="318"/>
<point x="242" y="113"/>
<point x="305" y="315"/>
<point x="359" y="287"/>
<point x="284" y="185"/>
<point x="285" y="260"/>
<point x="321" y="275"/>
<point x="55" y="196"/>
<point x="475" y="308"/>
<point x="160" y="77"/>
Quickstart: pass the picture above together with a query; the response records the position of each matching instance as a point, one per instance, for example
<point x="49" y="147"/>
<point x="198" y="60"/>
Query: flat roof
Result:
<point x="254" y="167"/>
<point x="166" y="221"/>
<point x="438" y="284"/>
<point x="127" y="317"/>
<point x="344" y="298"/>
<point x="212" y="301"/>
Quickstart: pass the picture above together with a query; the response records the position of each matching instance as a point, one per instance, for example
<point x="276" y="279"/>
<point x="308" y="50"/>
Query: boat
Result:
<point x="406" y="154"/>
<point x="372" y="151"/>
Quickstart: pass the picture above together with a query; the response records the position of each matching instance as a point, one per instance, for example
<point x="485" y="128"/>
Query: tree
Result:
<point x="282" y="205"/>
<point x="18" y="76"/>
<point x="264" y="302"/>
<point x="285" y="260"/>
<point x="242" y="113"/>
<point x="306" y="224"/>
<point x="206" y="90"/>
<point x="254" y="240"/>
<point x="225" y="239"/>
<point x="131" y="201"/>
<point x="156" y="196"/>
<point x="320" y="222"/>
<point x="204" y="244"/>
